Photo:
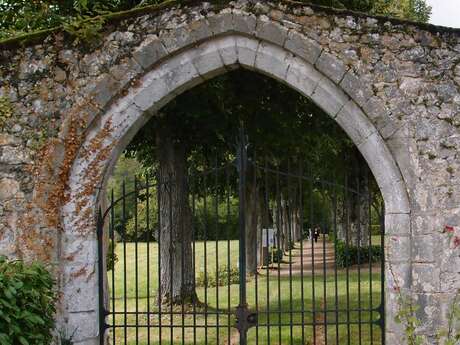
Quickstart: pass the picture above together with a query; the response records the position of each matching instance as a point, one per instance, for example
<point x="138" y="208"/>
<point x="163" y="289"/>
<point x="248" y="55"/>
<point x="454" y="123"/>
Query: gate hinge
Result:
<point x="245" y="319"/>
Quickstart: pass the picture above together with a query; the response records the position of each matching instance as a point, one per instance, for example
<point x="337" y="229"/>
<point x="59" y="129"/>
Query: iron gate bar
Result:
<point x="347" y="251"/>
<point x="205" y="259"/>
<point x="312" y="226"/>
<point x="358" y="184"/>
<point x="271" y="255"/>
<point x="227" y="182"/>
<point x="301" y="251"/>
<point x="124" y="260"/>
<point x="242" y="307"/>
<point x="324" y="277"/>
<point x="335" y="268"/>
<point x="112" y="234"/>
<point x="382" y="275"/>
<point x="279" y="225"/>
<point x="100" y="251"/>
<point x="160" y="333"/>
<point x="147" y="201"/>
<point x="289" y="224"/>
<point x="369" y="195"/>
<point x="136" y="264"/>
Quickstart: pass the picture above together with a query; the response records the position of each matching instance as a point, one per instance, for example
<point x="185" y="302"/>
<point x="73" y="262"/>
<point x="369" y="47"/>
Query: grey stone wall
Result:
<point x="67" y="111"/>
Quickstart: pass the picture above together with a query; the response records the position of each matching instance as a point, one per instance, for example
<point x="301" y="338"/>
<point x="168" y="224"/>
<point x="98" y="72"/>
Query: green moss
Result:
<point x="6" y="110"/>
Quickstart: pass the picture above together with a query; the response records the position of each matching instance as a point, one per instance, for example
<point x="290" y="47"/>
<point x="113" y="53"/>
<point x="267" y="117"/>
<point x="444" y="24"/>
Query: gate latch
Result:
<point x="244" y="318"/>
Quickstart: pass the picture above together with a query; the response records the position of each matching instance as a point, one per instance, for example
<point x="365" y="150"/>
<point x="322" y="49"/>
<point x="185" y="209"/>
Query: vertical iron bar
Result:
<point x="101" y="262"/>
<point x="112" y="235"/>
<point x="313" y="294"/>
<point x="335" y="267"/>
<point x="324" y="275"/>
<point x="279" y="250"/>
<point x="216" y="215"/>
<point x="256" y="244"/>
<point x="227" y="183"/>
<point x="182" y="275"/>
<point x="192" y="184"/>
<point x="147" y="205"/>
<point x="267" y="205"/>
<point x="242" y="165"/>
<point x="290" y="246"/>
<point x="382" y="279"/>
<point x="125" y="301"/>
<point x="358" y="191"/>
<point x="136" y="264"/>
<point x="302" y="294"/>
<point x="205" y="243"/>
<point x="347" y="256"/>
<point x="160" y="229"/>
<point x="171" y="263"/>
<point x="369" y="215"/>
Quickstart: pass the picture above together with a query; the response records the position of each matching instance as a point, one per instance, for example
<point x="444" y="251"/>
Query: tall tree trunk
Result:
<point x="176" y="270"/>
<point x="251" y="218"/>
<point x="359" y="216"/>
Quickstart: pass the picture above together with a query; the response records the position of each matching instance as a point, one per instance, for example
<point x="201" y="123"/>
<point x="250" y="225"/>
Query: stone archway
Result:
<point x="393" y="86"/>
<point x="114" y="129"/>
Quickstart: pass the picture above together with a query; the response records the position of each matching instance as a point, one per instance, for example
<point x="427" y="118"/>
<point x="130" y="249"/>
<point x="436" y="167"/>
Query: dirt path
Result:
<point x="315" y="258"/>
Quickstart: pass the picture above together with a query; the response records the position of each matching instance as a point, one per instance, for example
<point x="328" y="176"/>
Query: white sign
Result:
<point x="268" y="237"/>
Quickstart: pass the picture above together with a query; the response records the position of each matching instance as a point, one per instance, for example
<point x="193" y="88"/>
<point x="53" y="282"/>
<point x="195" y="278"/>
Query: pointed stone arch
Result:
<point x="284" y="55"/>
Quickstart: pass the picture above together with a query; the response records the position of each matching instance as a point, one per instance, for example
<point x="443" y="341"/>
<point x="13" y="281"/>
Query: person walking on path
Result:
<point x="316" y="234"/>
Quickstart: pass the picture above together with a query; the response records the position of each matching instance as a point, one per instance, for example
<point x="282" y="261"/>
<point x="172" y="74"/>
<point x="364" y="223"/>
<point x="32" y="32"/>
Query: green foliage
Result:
<point x="27" y="303"/>
<point x="85" y="30"/>
<point x="224" y="277"/>
<point x="112" y="257"/>
<point x="347" y="257"/>
<point x="406" y="316"/>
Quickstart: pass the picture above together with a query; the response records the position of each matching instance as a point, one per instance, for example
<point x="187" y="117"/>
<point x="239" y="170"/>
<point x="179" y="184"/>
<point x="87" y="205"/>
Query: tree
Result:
<point x="23" y="16"/>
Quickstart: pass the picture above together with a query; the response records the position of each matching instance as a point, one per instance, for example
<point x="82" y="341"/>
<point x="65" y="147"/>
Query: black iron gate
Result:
<point x="268" y="255"/>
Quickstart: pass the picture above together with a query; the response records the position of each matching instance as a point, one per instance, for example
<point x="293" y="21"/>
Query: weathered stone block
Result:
<point x="329" y="97"/>
<point x="397" y="224"/>
<point x="149" y="52"/>
<point x="331" y="66"/>
<point x="271" y="31"/>
<point x="244" y="22"/>
<point x="154" y="89"/>
<point x="303" y="46"/>
<point x="207" y="60"/>
<point x="302" y="76"/>
<point x="84" y="326"/>
<point x="228" y="51"/>
<point x="221" y="22"/>
<point x="426" y="277"/>
<point x="398" y="248"/>
<point x="247" y="50"/>
<point x="354" y="123"/>
<point x="272" y="60"/>
<point x="386" y="173"/>
<point x="361" y="92"/>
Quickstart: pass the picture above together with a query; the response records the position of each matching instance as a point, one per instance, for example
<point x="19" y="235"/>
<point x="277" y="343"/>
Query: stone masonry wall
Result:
<point x="404" y="78"/>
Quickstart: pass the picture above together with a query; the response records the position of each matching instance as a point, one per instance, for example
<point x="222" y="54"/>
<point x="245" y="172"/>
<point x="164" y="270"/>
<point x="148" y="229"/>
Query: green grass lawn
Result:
<point x="268" y="295"/>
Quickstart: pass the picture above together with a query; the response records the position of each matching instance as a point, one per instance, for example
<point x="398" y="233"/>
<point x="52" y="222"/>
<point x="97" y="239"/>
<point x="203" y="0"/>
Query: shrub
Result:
<point x="277" y="255"/>
<point x="27" y="303"/>
<point x="112" y="257"/>
<point x="349" y="256"/>
<point x="224" y="275"/>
